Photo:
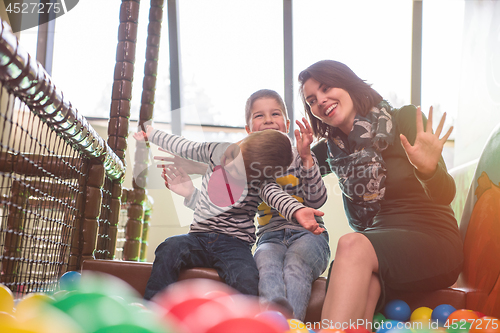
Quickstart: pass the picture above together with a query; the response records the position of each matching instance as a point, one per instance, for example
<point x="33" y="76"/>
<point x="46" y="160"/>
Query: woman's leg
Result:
<point x="373" y="296"/>
<point x="353" y="289"/>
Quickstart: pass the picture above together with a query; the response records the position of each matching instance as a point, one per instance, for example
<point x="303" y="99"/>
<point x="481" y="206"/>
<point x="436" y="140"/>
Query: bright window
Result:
<point x="229" y="49"/>
<point x="373" y="38"/>
<point x="441" y="57"/>
<point x="84" y="55"/>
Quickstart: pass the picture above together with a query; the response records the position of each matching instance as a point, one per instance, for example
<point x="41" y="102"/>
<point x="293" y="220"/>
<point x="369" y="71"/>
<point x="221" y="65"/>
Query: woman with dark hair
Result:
<point x="396" y="193"/>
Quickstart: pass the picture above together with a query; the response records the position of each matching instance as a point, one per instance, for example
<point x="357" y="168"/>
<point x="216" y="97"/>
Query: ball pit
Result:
<point x="99" y="303"/>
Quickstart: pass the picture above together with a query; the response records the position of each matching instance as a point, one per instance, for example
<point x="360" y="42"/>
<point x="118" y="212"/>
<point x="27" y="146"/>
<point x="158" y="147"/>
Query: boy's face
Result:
<point x="267" y="114"/>
<point x="232" y="162"/>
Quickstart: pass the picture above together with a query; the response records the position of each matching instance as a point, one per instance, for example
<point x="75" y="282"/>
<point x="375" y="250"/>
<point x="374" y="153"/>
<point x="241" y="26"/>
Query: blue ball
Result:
<point x="441" y="313"/>
<point x="70" y="281"/>
<point x="397" y="310"/>
<point x="276" y="318"/>
<point x="386" y="325"/>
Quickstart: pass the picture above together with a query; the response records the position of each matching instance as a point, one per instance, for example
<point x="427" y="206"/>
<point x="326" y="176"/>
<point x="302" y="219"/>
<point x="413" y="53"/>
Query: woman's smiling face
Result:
<point x="333" y="106"/>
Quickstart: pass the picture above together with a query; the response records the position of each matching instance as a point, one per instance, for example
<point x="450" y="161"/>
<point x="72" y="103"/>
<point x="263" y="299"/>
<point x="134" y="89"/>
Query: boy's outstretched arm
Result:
<point x="274" y="196"/>
<point x="305" y="217"/>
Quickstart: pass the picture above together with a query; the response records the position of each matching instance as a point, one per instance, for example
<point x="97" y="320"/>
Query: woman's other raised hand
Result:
<point x="426" y="151"/>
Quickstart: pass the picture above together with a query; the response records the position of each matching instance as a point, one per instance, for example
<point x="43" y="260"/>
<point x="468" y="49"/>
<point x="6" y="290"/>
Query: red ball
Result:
<point x="243" y="325"/>
<point x="357" y="329"/>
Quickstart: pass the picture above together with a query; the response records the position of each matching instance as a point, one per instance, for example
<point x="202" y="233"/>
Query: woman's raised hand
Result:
<point x="426" y="151"/>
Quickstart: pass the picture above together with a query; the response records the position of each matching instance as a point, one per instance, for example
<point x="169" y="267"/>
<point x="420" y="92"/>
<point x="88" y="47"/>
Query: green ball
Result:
<point x="378" y="318"/>
<point x="459" y="327"/>
<point x="127" y="328"/>
<point x="93" y="311"/>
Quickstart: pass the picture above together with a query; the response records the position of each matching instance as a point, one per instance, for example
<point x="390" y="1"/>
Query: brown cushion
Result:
<point x="134" y="273"/>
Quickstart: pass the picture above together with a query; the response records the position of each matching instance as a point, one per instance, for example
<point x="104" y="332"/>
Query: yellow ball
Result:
<point x="30" y="305"/>
<point x="6" y="299"/>
<point x="421" y="314"/>
<point x="296" y="326"/>
<point x="8" y="323"/>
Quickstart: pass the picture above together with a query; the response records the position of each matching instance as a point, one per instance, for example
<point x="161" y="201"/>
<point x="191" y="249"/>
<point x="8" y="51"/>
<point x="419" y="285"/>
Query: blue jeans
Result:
<point x="289" y="261"/>
<point x="230" y="256"/>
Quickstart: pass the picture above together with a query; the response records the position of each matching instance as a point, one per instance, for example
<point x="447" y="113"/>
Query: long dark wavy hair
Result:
<point x="335" y="74"/>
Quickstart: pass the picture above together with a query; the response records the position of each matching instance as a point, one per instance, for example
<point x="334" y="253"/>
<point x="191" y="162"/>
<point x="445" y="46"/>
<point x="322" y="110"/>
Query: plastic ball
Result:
<point x="104" y="310"/>
<point x="378" y="318"/>
<point x="397" y="310"/>
<point x="29" y="306"/>
<point x="422" y="313"/>
<point x="462" y="316"/>
<point x="441" y="313"/>
<point x="191" y="288"/>
<point x="183" y="309"/>
<point x="297" y="326"/>
<point x="401" y="329"/>
<point x="70" y="280"/>
<point x="243" y="325"/>
<point x="109" y="285"/>
<point x="479" y="314"/>
<point x="7" y="318"/>
<point x="275" y="318"/>
<point x="386" y="325"/>
<point x="6" y="299"/>
<point x="486" y="324"/>
<point x="459" y="327"/>
<point x="357" y="329"/>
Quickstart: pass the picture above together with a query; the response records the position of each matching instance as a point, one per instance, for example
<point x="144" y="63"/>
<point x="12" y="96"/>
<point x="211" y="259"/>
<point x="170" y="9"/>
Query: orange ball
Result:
<point x="462" y="315"/>
<point x="485" y="324"/>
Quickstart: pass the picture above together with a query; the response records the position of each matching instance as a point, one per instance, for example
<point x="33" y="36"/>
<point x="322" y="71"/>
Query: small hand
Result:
<point x="305" y="217"/>
<point x="188" y="166"/>
<point x="144" y="136"/>
<point x="424" y="155"/>
<point x="140" y="136"/>
<point x="177" y="180"/>
<point x="304" y="138"/>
